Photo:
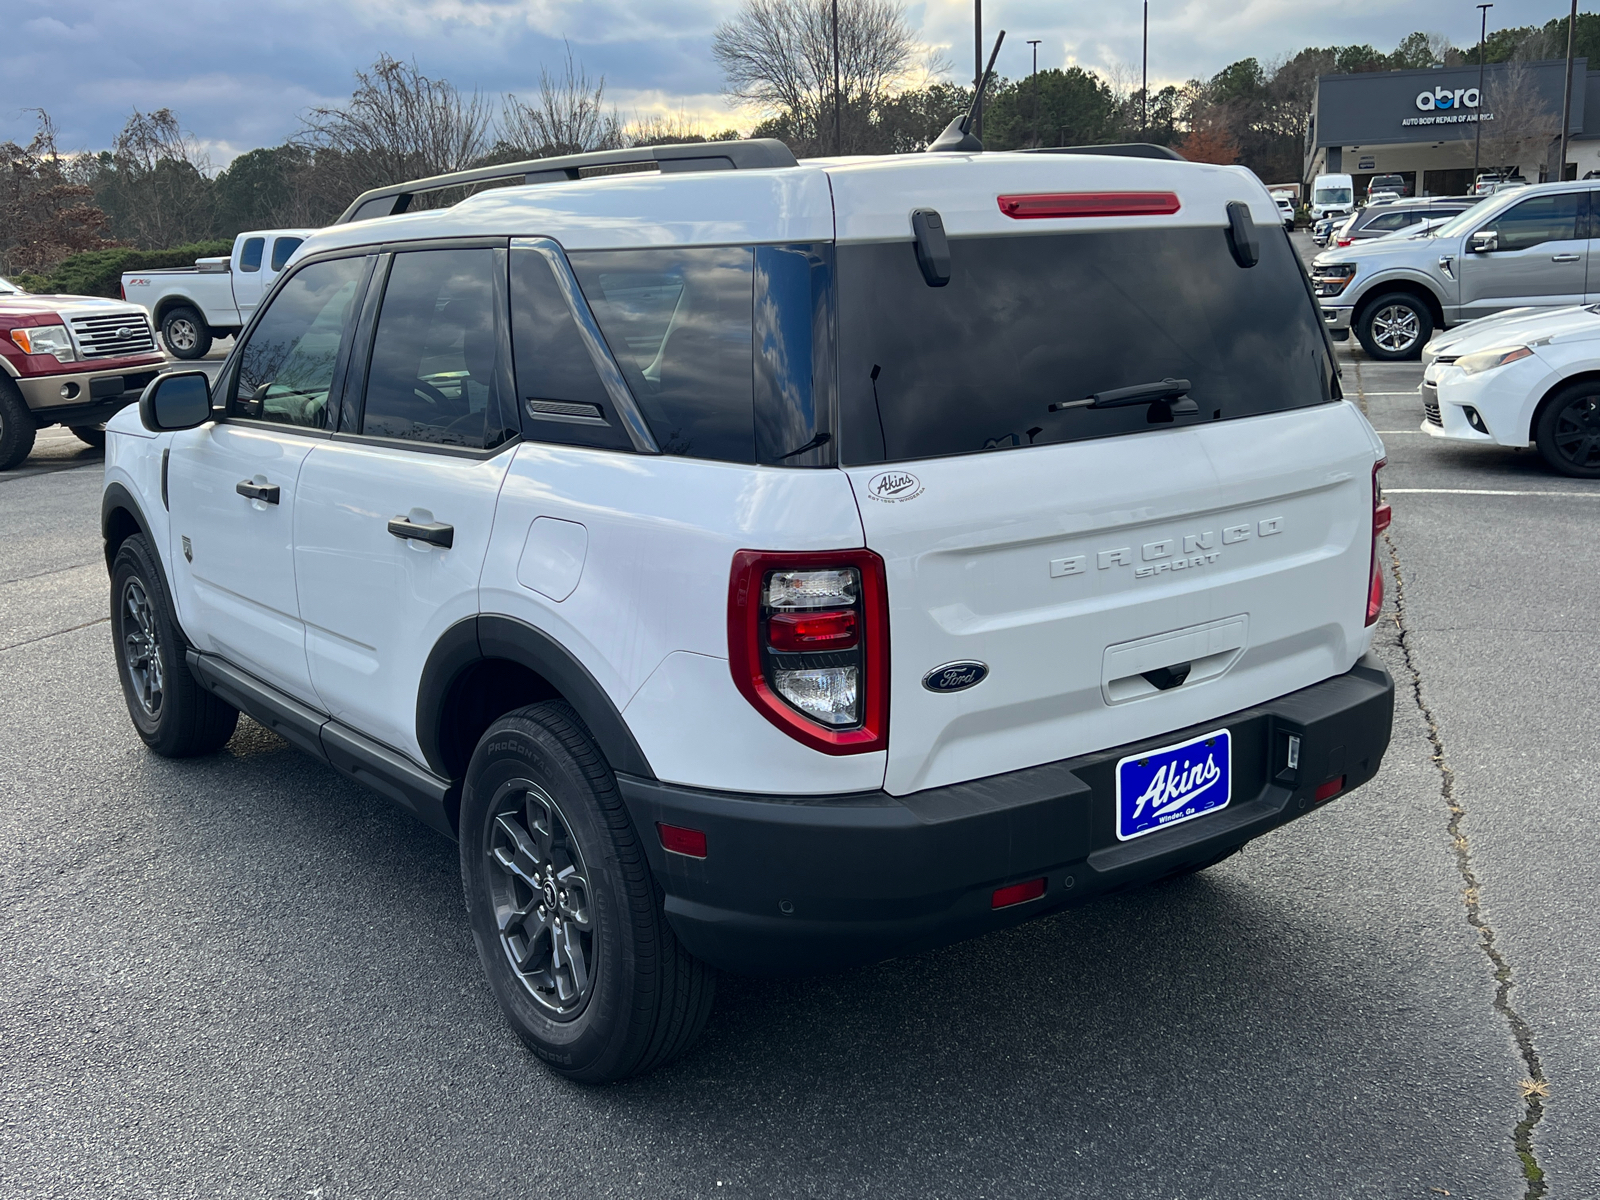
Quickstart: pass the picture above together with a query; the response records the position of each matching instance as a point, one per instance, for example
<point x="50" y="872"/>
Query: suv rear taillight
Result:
<point x="808" y="642"/>
<point x="1381" y="516"/>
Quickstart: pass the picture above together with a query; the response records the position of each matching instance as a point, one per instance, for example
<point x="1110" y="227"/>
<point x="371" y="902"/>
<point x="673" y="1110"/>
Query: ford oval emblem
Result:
<point x="956" y="676"/>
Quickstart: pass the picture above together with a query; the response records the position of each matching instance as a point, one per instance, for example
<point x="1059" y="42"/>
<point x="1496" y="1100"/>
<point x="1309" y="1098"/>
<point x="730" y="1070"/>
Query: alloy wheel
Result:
<point x="1395" y="327"/>
<point x="182" y="334"/>
<point x="542" y="904"/>
<point x="1577" y="432"/>
<point x="141" y="647"/>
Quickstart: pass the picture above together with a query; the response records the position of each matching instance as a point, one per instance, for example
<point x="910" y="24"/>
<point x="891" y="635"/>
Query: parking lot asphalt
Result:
<point x="242" y="976"/>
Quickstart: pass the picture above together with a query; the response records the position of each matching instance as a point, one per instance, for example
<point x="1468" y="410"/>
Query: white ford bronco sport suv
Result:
<point x="772" y="566"/>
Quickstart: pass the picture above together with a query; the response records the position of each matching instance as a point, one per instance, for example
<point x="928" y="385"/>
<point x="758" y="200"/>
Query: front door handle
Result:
<point x="435" y="533"/>
<point x="267" y="493"/>
<point x="1563" y="258"/>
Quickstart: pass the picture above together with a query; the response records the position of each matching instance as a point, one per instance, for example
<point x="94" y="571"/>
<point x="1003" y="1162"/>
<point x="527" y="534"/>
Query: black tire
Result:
<point x="185" y="333"/>
<point x="17" y="429"/>
<point x="174" y="716"/>
<point x="90" y="435"/>
<point x="1567" y="430"/>
<point x="541" y="820"/>
<point x="1394" y="327"/>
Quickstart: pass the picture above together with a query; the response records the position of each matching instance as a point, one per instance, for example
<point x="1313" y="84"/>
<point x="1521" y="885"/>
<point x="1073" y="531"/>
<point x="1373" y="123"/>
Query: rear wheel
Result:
<point x="173" y="714"/>
<point x="1395" y="327"/>
<point x="1568" y="431"/>
<point x="17" y="429"/>
<point x="90" y="435"/>
<point x="565" y="913"/>
<point x="186" y="333"/>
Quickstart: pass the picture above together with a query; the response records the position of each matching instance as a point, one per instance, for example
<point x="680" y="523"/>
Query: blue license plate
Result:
<point x="1174" y="784"/>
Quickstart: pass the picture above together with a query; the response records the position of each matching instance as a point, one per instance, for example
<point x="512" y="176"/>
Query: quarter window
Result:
<point x="250" y="254"/>
<point x="286" y="369"/>
<point x="1536" y="220"/>
<point x="438" y="371"/>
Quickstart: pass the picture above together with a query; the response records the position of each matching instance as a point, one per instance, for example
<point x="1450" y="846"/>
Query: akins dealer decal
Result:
<point x="1447" y="107"/>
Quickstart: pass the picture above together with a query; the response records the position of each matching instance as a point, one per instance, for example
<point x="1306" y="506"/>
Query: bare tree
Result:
<point x="44" y="214"/>
<point x="156" y="182"/>
<point x="778" y="56"/>
<point x="398" y="125"/>
<point x="1518" y="122"/>
<point x="568" y="117"/>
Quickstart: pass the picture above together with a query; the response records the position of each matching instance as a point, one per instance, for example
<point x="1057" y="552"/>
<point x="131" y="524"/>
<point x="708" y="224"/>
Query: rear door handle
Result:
<point x="435" y="533"/>
<point x="1563" y="258"/>
<point x="267" y="493"/>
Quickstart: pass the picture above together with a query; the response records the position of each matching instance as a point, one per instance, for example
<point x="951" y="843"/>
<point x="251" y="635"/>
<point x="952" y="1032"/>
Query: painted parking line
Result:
<point x="1412" y="392"/>
<point x="1594" y="495"/>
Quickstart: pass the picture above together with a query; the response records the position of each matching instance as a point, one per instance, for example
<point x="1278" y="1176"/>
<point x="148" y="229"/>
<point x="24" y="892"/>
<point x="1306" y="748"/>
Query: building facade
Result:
<point x="1424" y="125"/>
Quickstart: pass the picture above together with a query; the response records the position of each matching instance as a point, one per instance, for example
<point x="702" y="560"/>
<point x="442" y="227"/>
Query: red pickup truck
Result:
<point x="68" y="360"/>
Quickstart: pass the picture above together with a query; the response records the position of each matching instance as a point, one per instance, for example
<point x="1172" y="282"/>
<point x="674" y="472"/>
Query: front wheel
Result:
<point x="1568" y="431"/>
<point x="17" y="430"/>
<point x="186" y="333"/>
<point x="1395" y="327"/>
<point x="565" y="913"/>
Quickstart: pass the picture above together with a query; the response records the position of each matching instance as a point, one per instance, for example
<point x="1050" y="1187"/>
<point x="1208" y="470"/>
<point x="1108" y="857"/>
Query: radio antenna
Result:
<point x="958" y="134"/>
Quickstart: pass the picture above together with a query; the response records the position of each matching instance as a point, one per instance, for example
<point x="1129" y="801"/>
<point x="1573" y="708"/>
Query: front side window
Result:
<point x="438" y="370"/>
<point x="1537" y="220"/>
<point x="281" y="250"/>
<point x="250" y="254"/>
<point x="286" y="369"/>
<point x="679" y="323"/>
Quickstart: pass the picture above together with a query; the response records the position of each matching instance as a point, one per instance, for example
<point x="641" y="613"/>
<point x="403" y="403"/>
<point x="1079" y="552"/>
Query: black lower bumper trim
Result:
<point x="795" y="885"/>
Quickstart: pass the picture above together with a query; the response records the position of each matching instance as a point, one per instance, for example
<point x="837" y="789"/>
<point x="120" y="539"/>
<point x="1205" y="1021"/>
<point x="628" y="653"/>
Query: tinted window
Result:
<point x="1394" y="220"/>
<point x="678" y="322"/>
<point x="1536" y="220"/>
<point x="1028" y="321"/>
<point x="250" y="255"/>
<point x="563" y="399"/>
<point x="281" y="250"/>
<point x="287" y="365"/>
<point x="794" y="376"/>
<point x="438" y="368"/>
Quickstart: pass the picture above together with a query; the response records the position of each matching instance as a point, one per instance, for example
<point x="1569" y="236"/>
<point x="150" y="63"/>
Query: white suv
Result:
<point x="772" y="568"/>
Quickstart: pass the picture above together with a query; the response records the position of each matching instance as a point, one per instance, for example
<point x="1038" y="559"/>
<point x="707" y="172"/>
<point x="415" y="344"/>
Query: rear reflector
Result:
<point x="678" y="840"/>
<point x="812" y="631"/>
<point x="1089" y="204"/>
<point x="1017" y="893"/>
<point x="1332" y="788"/>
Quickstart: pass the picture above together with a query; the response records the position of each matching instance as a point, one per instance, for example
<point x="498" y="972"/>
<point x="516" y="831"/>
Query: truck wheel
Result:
<point x="1568" y="431"/>
<point x="17" y="429"/>
<point x="1395" y="327"/>
<point x="90" y="435"/>
<point x="186" y="333"/>
<point x="173" y="714"/>
<point x="565" y="913"/>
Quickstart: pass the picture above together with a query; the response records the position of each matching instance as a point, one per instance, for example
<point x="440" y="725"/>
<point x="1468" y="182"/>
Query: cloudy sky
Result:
<point x="238" y="72"/>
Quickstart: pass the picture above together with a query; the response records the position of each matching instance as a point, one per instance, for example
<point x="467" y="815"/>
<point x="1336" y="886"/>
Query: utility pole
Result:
<point x="1477" y="146"/>
<point x="1566" y="97"/>
<point x="838" y="116"/>
<point x="1034" y="81"/>
<point x="977" y="68"/>
<point x="1144" y="77"/>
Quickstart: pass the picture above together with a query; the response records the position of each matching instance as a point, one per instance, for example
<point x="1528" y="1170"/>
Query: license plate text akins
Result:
<point x="1168" y="554"/>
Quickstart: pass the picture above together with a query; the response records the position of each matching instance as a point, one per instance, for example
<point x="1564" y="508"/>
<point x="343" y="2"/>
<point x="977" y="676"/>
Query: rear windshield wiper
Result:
<point x="1171" y="392"/>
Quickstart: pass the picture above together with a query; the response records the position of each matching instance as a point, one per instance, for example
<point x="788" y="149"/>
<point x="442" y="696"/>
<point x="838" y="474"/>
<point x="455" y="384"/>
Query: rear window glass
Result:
<point x="282" y="249"/>
<point x="1028" y="321"/>
<point x="679" y="323"/>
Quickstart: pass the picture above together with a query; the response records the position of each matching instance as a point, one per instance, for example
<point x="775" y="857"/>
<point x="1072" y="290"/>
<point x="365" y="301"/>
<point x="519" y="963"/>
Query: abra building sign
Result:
<point x="1447" y="106"/>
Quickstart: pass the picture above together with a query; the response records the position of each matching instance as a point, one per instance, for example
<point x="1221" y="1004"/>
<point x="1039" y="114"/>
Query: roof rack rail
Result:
<point x="1120" y="150"/>
<point x="741" y="155"/>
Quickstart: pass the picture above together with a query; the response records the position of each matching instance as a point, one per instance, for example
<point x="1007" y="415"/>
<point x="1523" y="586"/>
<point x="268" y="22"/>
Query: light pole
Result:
<point x="1144" y="77"/>
<point x="1566" y="97"/>
<point x="1477" y="145"/>
<point x="838" y="120"/>
<point x="1034" y="83"/>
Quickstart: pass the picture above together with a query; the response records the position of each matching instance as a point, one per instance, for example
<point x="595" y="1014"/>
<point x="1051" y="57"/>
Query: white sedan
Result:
<point x="1524" y="377"/>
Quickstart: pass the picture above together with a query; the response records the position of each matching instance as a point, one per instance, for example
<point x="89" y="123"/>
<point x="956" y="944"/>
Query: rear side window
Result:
<point x="438" y="371"/>
<point x="679" y="323"/>
<point x="250" y="254"/>
<point x="1027" y="321"/>
<point x="281" y="250"/>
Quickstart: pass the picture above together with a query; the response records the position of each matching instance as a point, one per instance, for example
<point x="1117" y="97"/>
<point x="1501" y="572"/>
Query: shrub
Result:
<point x="99" y="272"/>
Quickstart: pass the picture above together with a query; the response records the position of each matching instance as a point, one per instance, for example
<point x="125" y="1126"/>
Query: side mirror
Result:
<point x="179" y="400"/>
<point x="1485" y="241"/>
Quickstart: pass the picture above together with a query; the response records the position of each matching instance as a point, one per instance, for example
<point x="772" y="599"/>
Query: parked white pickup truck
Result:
<point x="215" y="297"/>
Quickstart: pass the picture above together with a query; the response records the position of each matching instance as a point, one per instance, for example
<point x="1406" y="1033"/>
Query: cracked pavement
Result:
<point x="242" y="976"/>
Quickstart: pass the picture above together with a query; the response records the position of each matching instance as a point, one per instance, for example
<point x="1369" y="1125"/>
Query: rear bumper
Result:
<point x="807" y="884"/>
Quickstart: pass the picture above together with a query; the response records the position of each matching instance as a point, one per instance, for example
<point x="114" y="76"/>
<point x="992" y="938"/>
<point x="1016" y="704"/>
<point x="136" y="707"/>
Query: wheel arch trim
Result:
<point x="491" y="636"/>
<point x="1414" y="284"/>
